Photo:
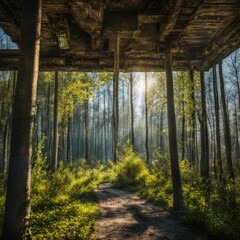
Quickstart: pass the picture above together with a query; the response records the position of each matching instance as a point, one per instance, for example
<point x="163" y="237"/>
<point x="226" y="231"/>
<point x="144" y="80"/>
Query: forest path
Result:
<point x="124" y="216"/>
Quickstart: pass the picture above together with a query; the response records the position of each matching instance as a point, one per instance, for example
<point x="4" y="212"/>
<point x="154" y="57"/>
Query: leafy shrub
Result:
<point x="158" y="188"/>
<point x="39" y="176"/>
<point x="131" y="171"/>
<point x="63" y="203"/>
<point x="215" y="214"/>
<point x="66" y="220"/>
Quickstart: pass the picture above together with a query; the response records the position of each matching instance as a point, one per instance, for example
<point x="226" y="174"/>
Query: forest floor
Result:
<point x="125" y="216"/>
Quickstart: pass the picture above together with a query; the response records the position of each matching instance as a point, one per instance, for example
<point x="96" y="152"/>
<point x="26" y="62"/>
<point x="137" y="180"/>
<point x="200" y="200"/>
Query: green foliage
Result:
<point x="215" y="215"/>
<point x="159" y="187"/>
<point x="66" y="220"/>
<point x="157" y="94"/>
<point x="63" y="202"/>
<point x="64" y="206"/>
<point x="39" y="175"/>
<point x="104" y="77"/>
<point x="184" y="90"/>
<point x="131" y="171"/>
<point x="6" y="90"/>
<point x="78" y="90"/>
<point x="44" y="79"/>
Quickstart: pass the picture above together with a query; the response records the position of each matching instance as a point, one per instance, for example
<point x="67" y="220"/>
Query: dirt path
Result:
<point x="126" y="216"/>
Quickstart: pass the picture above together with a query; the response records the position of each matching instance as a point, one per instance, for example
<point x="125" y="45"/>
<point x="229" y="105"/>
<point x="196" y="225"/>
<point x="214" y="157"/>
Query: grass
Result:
<point x="66" y="220"/>
<point x="64" y="205"/>
<point x="216" y="215"/>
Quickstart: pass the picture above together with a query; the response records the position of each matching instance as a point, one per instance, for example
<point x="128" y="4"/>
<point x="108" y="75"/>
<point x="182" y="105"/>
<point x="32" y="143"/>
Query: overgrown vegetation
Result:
<point x="64" y="206"/>
<point x="63" y="202"/>
<point x="130" y="172"/>
<point x="215" y="215"/>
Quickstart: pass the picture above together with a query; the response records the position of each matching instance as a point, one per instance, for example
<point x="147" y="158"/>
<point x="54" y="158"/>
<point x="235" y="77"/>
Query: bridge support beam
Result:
<point x="175" y="171"/>
<point x="17" y="210"/>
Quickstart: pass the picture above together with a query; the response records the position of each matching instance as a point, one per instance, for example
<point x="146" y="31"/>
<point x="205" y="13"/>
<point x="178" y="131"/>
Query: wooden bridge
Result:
<point x="79" y="35"/>
<point x="106" y="35"/>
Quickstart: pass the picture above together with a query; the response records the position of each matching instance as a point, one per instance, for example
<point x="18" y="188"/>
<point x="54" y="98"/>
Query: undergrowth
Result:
<point x="64" y="205"/>
<point x="63" y="202"/>
<point x="216" y="215"/>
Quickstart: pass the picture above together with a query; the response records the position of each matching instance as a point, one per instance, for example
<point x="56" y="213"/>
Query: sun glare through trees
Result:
<point x="119" y="119"/>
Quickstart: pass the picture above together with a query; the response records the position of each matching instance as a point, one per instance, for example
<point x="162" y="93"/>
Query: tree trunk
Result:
<point x="104" y="126"/>
<point x="132" y="111"/>
<point x="110" y="127"/>
<point x="78" y="132"/>
<point x="128" y="112"/>
<point x="10" y="123"/>
<point x="146" y="119"/>
<point x="69" y="141"/>
<point x="47" y="124"/>
<point x="183" y="129"/>
<point x="176" y="176"/>
<point x="94" y="131"/>
<point x="218" y="140"/>
<point x="212" y="128"/>
<point x="204" y="162"/>
<point x="227" y="134"/>
<point x="17" y="209"/>
<point x="237" y="150"/>
<point x="115" y="98"/>
<point x="98" y="125"/>
<point x="6" y="114"/>
<point x="86" y="130"/>
<point x="152" y="142"/>
<point x="193" y="123"/>
<point x="196" y="149"/>
<point x="5" y="146"/>
<point x="55" y="125"/>
<point x="123" y="109"/>
<point x="161" y="144"/>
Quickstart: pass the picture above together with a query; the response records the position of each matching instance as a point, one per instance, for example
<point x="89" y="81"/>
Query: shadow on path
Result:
<point x="125" y="216"/>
